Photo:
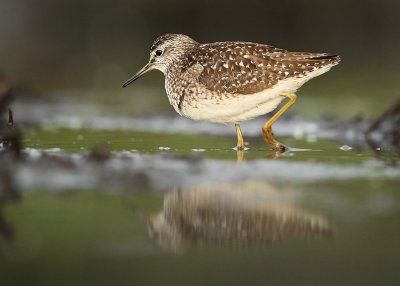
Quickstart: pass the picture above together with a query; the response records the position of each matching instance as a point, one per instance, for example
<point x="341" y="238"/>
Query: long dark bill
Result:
<point x="137" y="75"/>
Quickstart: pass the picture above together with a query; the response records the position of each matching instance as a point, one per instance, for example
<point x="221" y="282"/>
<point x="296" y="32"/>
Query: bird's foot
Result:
<point x="272" y="142"/>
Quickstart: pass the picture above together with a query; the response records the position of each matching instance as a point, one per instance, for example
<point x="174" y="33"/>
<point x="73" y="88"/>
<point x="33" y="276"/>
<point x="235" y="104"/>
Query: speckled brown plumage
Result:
<point x="246" y="68"/>
<point x="230" y="67"/>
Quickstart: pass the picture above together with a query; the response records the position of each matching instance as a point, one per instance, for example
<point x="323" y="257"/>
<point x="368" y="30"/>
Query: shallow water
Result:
<point x="178" y="209"/>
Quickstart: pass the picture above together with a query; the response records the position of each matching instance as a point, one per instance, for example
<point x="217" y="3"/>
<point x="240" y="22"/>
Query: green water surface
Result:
<point x="220" y="147"/>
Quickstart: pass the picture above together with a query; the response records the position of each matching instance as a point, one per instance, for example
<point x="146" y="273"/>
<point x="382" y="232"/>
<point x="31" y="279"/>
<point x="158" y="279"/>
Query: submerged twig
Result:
<point x="10" y="122"/>
<point x="10" y="137"/>
<point x="384" y="134"/>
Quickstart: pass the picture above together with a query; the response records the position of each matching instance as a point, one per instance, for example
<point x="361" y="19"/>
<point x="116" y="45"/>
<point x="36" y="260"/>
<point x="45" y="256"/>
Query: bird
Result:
<point x="232" y="81"/>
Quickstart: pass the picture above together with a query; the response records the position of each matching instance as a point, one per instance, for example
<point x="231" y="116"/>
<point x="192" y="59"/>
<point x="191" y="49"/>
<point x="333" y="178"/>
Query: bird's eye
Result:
<point x="159" y="53"/>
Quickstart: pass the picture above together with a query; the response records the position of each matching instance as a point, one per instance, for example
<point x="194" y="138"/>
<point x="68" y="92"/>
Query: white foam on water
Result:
<point x="345" y="148"/>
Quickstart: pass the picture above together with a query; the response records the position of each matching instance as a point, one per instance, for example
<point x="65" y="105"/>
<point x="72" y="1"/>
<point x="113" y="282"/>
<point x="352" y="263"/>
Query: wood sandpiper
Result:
<point x="231" y="82"/>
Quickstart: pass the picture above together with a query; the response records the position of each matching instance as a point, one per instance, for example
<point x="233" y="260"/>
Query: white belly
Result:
<point x="237" y="108"/>
<point x="234" y="109"/>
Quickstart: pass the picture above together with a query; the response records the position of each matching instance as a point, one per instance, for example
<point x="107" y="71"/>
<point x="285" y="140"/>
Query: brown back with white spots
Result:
<point x="246" y="68"/>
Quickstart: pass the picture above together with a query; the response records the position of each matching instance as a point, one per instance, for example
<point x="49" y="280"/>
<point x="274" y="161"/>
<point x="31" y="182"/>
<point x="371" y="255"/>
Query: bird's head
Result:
<point x="165" y="51"/>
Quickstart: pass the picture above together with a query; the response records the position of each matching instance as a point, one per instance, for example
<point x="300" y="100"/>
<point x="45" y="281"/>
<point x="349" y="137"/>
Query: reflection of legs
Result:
<point x="267" y="128"/>
<point x="240" y="142"/>
<point x="239" y="155"/>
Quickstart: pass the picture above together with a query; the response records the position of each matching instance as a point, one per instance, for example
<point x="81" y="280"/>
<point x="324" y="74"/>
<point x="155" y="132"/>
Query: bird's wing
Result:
<point x="246" y="68"/>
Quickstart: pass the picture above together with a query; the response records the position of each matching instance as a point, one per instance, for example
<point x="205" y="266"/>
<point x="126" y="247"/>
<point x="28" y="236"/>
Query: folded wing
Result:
<point x="246" y="68"/>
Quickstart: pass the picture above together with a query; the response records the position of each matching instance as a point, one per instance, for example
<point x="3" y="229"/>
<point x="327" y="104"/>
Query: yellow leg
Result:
<point x="240" y="142"/>
<point x="267" y="128"/>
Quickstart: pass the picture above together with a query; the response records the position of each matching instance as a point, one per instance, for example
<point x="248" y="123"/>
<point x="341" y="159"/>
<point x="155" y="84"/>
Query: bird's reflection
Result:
<point x="232" y="215"/>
